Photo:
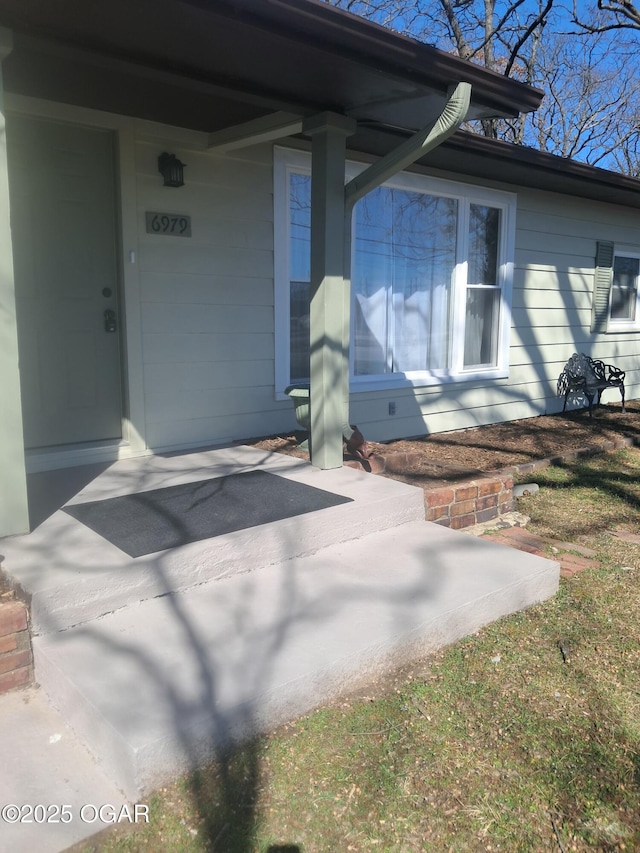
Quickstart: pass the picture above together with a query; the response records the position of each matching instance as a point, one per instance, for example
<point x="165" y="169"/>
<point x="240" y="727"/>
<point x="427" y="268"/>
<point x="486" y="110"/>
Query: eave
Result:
<point x="211" y="64"/>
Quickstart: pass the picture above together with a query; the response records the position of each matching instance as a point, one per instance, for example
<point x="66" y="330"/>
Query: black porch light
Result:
<point x="171" y="170"/>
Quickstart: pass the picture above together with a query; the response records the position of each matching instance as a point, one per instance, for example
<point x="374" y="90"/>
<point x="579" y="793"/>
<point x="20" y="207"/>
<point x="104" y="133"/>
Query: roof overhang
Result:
<point x="211" y="64"/>
<point x="490" y="159"/>
<point x="244" y="70"/>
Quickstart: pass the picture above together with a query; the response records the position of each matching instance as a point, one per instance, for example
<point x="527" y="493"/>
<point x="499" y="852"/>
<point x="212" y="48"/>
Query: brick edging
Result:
<point x="16" y="658"/>
<point x="485" y="496"/>
<point x="452" y="507"/>
<point x="470" y="502"/>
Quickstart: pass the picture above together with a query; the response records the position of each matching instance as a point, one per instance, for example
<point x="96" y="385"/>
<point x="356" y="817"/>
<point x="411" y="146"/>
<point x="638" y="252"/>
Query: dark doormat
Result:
<point x="166" y="518"/>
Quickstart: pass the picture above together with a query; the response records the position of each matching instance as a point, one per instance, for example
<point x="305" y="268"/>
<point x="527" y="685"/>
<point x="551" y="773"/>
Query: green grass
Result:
<point x="524" y="737"/>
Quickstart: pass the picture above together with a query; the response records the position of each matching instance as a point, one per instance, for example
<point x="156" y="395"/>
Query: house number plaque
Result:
<point x="168" y="224"/>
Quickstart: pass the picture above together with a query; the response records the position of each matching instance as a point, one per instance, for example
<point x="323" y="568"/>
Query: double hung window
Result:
<point x="431" y="271"/>
<point x="624" y="291"/>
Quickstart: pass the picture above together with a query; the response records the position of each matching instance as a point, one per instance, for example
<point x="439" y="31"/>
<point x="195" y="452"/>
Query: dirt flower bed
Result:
<point x="496" y="446"/>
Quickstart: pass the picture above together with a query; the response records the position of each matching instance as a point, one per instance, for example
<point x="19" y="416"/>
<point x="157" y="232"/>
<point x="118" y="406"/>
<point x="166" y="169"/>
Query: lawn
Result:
<point x="523" y="737"/>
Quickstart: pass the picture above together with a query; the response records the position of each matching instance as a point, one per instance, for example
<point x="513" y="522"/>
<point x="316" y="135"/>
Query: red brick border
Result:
<point x="16" y="658"/>
<point x="479" y="500"/>
<point x="459" y="504"/>
<point x="469" y="502"/>
<point x="523" y="540"/>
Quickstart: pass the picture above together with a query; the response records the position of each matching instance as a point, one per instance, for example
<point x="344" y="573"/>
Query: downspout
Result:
<point x="425" y="140"/>
<point x="413" y="149"/>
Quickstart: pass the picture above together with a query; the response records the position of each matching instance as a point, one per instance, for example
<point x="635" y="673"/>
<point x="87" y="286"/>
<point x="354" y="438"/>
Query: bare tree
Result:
<point x="591" y="106"/>
<point x="591" y="109"/>
<point x="619" y="15"/>
<point x="502" y="35"/>
<point x="498" y="34"/>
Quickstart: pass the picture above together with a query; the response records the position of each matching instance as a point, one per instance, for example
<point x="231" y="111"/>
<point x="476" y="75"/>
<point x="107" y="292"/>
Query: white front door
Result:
<point x="63" y="219"/>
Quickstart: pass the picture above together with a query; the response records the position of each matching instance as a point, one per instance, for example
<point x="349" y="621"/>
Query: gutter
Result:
<point x="517" y="164"/>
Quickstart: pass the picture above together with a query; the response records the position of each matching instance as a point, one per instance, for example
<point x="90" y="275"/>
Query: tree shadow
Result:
<point x="228" y="643"/>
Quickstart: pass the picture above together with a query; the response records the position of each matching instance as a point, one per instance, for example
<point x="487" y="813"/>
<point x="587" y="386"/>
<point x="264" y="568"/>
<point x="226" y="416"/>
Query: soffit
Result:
<point x="209" y="64"/>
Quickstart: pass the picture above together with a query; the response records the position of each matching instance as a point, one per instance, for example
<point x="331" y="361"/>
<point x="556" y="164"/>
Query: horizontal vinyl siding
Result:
<point x="198" y="404"/>
<point x="176" y="318"/>
<point x="196" y="432"/>
<point x="207" y="301"/>
<point x="205" y="258"/>
<point x="165" y="287"/>
<point x="553" y="289"/>
<point x="194" y="349"/>
<point x="550" y="319"/>
<point x="204" y="376"/>
<point x="207" y="307"/>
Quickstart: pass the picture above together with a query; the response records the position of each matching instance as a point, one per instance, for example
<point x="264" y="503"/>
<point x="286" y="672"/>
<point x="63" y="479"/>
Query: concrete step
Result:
<point x="157" y="687"/>
<point x="73" y="575"/>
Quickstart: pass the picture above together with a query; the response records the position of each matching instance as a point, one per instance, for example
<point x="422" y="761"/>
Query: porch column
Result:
<point x="14" y="510"/>
<point x="329" y="316"/>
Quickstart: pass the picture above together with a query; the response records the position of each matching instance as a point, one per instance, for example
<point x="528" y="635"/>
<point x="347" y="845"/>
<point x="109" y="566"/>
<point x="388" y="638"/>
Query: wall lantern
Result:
<point x="171" y="170"/>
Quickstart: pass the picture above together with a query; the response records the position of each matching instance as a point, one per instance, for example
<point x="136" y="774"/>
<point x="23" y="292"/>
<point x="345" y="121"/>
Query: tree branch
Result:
<point x="539" y="20"/>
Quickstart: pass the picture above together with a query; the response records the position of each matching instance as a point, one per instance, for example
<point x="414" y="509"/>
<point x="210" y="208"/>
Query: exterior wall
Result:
<point x="207" y="301"/>
<point x="553" y="291"/>
<point x="199" y="311"/>
<point x="207" y="312"/>
<point x="551" y="317"/>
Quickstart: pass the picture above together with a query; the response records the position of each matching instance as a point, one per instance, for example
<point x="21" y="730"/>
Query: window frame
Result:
<point x="623" y="324"/>
<point x="288" y="161"/>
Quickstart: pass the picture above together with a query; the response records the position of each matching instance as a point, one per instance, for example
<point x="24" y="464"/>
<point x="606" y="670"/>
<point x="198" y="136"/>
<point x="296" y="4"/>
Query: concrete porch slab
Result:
<point x="73" y="575"/>
<point x="157" y="687"/>
<point x="159" y="662"/>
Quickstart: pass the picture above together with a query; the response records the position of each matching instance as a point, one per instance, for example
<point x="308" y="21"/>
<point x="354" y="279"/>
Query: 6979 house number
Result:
<point x="168" y="224"/>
